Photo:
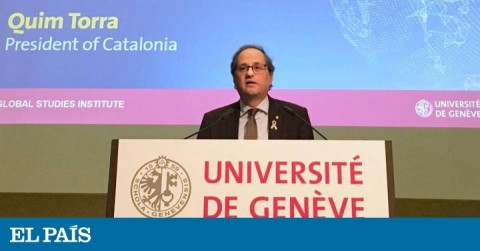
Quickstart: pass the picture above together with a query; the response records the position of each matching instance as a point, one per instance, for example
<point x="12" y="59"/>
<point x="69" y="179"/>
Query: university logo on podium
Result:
<point x="160" y="188"/>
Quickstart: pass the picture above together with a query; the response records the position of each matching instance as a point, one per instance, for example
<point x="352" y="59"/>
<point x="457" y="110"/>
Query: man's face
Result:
<point x="251" y="84"/>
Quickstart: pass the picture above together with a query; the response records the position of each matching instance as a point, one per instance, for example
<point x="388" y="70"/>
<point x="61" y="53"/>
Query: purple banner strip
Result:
<point x="458" y="109"/>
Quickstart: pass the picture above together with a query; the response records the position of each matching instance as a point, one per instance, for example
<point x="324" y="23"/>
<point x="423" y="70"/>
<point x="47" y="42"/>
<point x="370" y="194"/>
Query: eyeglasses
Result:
<point x="256" y="68"/>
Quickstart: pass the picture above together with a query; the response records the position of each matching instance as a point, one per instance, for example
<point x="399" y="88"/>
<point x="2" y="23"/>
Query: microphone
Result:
<point x="291" y="111"/>
<point x="222" y="117"/>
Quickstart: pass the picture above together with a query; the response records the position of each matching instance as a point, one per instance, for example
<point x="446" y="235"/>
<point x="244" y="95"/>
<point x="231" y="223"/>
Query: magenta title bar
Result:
<point x="458" y="109"/>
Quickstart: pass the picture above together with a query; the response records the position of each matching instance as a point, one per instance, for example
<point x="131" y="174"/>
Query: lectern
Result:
<point x="243" y="178"/>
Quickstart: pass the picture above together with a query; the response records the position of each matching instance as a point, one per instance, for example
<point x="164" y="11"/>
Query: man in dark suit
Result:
<point x="256" y="115"/>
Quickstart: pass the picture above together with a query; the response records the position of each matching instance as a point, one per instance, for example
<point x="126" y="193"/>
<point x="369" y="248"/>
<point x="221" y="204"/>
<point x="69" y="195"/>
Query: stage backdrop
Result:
<point x="77" y="74"/>
<point x="401" y="63"/>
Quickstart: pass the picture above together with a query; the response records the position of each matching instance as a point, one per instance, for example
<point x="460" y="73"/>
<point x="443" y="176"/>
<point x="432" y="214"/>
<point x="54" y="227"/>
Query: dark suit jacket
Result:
<point x="288" y="125"/>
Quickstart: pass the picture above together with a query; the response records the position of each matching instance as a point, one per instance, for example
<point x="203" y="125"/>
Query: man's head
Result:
<point x="252" y="70"/>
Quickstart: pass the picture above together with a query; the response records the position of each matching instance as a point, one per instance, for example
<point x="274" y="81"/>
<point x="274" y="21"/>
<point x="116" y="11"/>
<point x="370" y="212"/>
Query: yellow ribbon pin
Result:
<point x="274" y="125"/>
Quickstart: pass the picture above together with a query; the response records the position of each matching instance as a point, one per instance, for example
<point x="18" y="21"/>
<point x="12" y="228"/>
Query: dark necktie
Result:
<point x="251" y="127"/>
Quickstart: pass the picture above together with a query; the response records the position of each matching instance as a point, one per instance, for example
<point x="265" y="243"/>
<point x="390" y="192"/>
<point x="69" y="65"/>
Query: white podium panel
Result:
<point x="239" y="178"/>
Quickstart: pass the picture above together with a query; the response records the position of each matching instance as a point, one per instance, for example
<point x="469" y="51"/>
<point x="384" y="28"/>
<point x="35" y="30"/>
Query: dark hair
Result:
<point x="268" y="60"/>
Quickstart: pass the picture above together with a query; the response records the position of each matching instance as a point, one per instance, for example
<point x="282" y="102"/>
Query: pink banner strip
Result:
<point x="458" y="109"/>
